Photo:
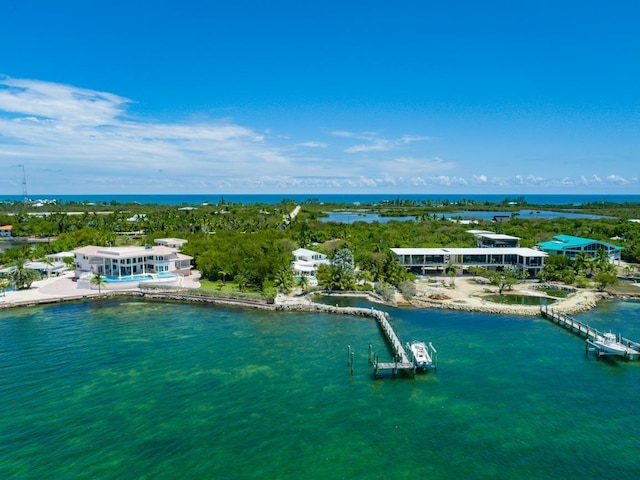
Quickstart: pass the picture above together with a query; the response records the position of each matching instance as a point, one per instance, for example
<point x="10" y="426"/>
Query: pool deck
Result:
<point x="64" y="288"/>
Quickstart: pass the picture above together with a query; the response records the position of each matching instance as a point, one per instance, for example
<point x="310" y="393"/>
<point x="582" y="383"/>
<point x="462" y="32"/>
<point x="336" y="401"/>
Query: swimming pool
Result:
<point x="128" y="278"/>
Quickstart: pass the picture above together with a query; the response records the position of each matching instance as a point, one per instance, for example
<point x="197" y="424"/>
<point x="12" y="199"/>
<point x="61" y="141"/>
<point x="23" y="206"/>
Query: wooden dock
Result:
<point x="589" y="333"/>
<point x="403" y="361"/>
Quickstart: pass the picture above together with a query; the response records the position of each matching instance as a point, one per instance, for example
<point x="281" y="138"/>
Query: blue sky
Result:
<point x="320" y="97"/>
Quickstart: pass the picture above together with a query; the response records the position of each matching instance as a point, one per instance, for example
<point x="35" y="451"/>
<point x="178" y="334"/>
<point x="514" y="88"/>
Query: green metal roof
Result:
<point x="563" y="242"/>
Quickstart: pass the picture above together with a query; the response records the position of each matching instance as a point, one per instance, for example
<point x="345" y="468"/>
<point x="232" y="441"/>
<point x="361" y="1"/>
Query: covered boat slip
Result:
<point x="436" y="259"/>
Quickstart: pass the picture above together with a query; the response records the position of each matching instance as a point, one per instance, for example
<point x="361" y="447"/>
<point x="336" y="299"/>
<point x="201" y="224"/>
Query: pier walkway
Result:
<point x="589" y="333"/>
<point x="402" y="361"/>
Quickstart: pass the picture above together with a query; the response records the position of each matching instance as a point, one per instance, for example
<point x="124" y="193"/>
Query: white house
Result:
<point x="306" y="262"/>
<point x="47" y="268"/>
<point x="125" y="261"/>
<point x="59" y="257"/>
<point x="176" y="243"/>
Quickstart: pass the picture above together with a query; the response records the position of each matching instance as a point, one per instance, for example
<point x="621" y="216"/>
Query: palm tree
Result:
<point x="4" y="284"/>
<point x="21" y="276"/>
<point x="303" y="283"/>
<point x="98" y="280"/>
<point x="49" y="264"/>
<point x="284" y="280"/>
<point x="242" y="281"/>
<point x="581" y="262"/>
<point x="69" y="262"/>
<point x="452" y="271"/>
<point x="223" y="273"/>
<point x="601" y="258"/>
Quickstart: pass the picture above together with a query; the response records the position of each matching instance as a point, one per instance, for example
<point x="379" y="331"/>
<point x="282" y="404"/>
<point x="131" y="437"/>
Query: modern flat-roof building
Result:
<point x="569" y="246"/>
<point x="126" y="261"/>
<point x="494" y="240"/>
<point x="420" y="260"/>
<point x="493" y="251"/>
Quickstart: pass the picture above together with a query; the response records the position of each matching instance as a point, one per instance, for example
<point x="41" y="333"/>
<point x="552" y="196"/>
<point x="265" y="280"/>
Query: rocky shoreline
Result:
<point x="466" y="295"/>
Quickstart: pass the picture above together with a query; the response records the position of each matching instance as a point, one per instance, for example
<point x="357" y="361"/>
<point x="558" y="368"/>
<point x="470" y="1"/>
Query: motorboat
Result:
<point x="420" y="354"/>
<point x="609" y="344"/>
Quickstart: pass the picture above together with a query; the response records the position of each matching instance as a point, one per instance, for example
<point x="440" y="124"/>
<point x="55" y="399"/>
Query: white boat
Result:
<point x="420" y="354"/>
<point x="609" y="344"/>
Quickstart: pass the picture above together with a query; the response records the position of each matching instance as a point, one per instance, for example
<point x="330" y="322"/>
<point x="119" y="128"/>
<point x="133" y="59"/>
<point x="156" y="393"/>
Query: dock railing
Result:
<point x="589" y="333"/>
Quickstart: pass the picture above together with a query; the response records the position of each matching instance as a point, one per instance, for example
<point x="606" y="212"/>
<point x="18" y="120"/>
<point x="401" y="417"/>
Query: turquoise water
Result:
<point x="127" y="389"/>
<point x="128" y="278"/>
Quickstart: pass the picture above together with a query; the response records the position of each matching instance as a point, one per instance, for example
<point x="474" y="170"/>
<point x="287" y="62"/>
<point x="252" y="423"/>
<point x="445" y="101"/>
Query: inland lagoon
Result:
<point x="124" y="389"/>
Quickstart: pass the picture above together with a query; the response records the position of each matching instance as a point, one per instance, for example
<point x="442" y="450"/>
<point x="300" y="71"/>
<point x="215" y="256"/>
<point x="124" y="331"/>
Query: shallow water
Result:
<point x="512" y="299"/>
<point x="125" y="389"/>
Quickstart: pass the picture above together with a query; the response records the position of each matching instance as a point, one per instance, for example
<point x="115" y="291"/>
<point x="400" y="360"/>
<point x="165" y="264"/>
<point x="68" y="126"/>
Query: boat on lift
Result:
<point x="420" y="355"/>
<point x="608" y="343"/>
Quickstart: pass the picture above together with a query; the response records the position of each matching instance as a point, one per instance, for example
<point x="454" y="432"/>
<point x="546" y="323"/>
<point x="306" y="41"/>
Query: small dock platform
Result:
<point x="403" y="361"/>
<point x="632" y="350"/>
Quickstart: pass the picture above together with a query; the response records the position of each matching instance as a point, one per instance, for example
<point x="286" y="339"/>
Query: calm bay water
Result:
<point x="352" y="217"/>
<point x="125" y="389"/>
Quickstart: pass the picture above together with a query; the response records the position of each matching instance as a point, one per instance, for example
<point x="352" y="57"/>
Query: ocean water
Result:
<point x="122" y="389"/>
<point x="214" y="198"/>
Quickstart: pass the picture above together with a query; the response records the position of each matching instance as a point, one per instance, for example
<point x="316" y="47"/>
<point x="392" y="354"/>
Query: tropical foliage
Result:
<point x="98" y="280"/>
<point x="250" y="245"/>
<point x="21" y="276"/>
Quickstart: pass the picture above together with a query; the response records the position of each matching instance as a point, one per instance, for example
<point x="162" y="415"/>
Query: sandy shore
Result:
<point x="465" y="295"/>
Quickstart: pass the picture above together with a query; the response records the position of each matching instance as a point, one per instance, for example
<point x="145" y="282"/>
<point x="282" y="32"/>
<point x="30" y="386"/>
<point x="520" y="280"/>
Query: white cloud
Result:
<point x="345" y="134"/>
<point x="78" y="140"/>
<point x="479" y="178"/>
<point x="410" y="139"/>
<point x="376" y="145"/>
<point x="374" y="142"/>
<point x="617" y="179"/>
<point x="528" y="180"/>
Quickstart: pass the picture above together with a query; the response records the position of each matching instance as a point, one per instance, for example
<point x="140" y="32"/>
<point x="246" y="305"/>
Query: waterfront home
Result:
<point x="59" y="257"/>
<point x="487" y="239"/>
<point x="421" y="260"/>
<point x="132" y="260"/>
<point x="176" y="243"/>
<point x="569" y="246"/>
<point x="48" y="268"/>
<point x="306" y="262"/>
<point x="5" y="231"/>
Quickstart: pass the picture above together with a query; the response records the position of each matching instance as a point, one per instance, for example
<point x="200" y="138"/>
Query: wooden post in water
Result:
<point x="348" y="355"/>
<point x="369" y="354"/>
<point x="351" y="363"/>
